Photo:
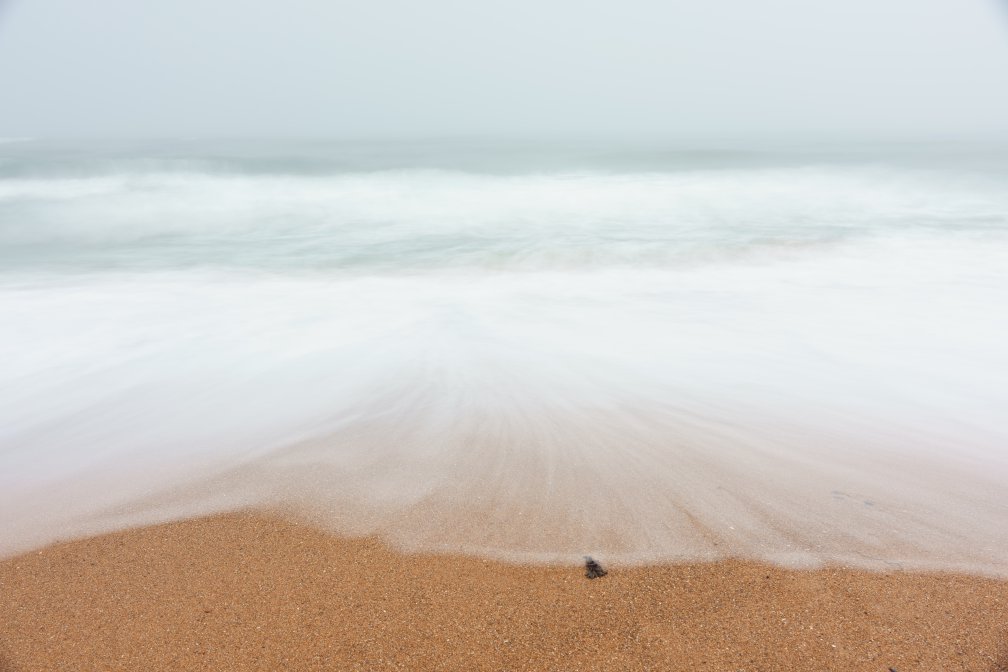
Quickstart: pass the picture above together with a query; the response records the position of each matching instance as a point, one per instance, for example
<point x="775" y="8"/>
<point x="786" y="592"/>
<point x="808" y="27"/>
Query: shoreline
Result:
<point x="249" y="591"/>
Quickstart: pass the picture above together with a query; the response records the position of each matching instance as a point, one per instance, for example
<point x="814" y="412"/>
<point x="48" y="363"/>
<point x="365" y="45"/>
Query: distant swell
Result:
<point x="422" y="220"/>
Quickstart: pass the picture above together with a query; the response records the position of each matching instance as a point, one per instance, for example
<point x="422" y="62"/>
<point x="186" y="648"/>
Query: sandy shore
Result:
<point x="242" y="592"/>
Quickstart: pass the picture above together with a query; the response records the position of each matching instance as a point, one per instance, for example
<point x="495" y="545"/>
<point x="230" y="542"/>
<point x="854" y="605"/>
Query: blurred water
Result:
<point x="527" y="351"/>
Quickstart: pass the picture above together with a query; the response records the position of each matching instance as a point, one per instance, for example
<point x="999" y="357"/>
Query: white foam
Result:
<point x="836" y="402"/>
<point x="408" y="219"/>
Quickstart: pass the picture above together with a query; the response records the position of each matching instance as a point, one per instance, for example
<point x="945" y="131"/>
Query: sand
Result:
<point x="252" y="592"/>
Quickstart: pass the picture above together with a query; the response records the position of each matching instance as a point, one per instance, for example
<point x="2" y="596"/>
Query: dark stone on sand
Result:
<point x="593" y="570"/>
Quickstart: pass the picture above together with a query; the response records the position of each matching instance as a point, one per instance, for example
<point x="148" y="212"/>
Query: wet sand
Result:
<point x="249" y="592"/>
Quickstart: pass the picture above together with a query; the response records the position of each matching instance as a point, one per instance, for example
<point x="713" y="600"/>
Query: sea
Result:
<point x="645" y="350"/>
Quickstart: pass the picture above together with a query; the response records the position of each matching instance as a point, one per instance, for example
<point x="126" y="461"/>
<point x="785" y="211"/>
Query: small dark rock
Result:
<point x="593" y="570"/>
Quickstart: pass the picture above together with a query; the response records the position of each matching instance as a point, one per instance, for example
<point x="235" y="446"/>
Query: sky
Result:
<point x="100" y="68"/>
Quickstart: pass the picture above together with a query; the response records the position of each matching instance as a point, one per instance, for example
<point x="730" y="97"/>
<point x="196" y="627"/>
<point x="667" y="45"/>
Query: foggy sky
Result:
<point x="445" y="67"/>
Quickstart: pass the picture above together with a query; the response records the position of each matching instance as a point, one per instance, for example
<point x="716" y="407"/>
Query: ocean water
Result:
<point x="530" y="351"/>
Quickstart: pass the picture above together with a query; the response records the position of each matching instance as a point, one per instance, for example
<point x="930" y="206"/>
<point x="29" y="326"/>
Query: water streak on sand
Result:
<point x="790" y="360"/>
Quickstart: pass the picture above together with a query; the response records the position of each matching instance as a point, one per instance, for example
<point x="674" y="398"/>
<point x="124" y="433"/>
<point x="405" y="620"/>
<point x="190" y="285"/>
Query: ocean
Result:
<point x="647" y="351"/>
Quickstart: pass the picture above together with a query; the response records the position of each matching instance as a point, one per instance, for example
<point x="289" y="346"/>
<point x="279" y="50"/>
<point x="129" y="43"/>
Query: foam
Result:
<point x="841" y="405"/>
<point x="795" y="363"/>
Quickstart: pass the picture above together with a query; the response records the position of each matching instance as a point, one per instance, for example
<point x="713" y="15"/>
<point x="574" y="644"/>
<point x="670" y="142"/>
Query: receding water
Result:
<point x="527" y="351"/>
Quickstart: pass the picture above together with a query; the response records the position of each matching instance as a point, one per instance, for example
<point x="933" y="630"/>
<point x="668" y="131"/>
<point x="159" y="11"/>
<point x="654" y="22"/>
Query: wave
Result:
<point x="832" y="407"/>
<point x="415" y="220"/>
<point x="794" y="363"/>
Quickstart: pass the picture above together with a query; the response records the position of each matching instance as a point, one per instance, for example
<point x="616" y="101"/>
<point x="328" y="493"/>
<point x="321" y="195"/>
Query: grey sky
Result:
<point x="395" y="67"/>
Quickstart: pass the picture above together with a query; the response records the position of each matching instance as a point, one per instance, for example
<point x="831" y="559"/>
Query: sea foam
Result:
<point x="799" y="364"/>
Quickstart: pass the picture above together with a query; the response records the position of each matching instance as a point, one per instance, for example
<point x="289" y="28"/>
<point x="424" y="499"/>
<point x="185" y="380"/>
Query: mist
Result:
<point x="390" y="68"/>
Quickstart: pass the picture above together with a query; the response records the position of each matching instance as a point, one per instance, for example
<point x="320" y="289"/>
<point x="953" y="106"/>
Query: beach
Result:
<point x="249" y="591"/>
<point x="543" y="336"/>
<point x="338" y="405"/>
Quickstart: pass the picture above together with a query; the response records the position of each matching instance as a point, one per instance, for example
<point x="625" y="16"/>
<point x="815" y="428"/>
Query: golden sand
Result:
<point x="246" y="592"/>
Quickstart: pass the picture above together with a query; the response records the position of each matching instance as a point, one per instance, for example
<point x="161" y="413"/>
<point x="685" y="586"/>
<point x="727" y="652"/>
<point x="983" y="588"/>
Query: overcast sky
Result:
<point x="434" y="67"/>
